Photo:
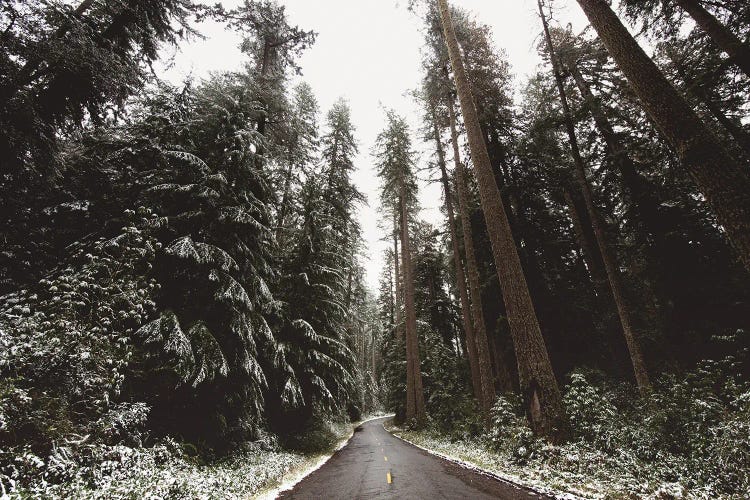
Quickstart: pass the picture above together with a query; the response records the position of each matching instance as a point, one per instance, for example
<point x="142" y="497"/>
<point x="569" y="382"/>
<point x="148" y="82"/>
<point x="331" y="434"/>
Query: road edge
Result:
<point x="550" y="493"/>
<point x="297" y="476"/>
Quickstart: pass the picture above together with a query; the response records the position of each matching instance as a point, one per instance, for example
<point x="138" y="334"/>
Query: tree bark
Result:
<point x="475" y="289"/>
<point x="471" y="346"/>
<point x="610" y="262"/>
<point x="415" y="407"/>
<point x="721" y="179"/>
<point x="537" y="380"/>
<point x="720" y="34"/>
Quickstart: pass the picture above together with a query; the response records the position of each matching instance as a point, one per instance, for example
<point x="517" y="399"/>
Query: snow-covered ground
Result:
<point x="165" y="472"/>
<point x="160" y="473"/>
<point x="557" y="482"/>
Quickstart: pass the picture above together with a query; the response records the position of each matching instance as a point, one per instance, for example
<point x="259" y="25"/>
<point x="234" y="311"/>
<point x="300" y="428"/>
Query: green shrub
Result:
<point x="511" y="434"/>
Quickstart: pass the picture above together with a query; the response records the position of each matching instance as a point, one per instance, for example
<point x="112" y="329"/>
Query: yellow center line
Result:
<point x="388" y="477"/>
<point x="385" y="459"/>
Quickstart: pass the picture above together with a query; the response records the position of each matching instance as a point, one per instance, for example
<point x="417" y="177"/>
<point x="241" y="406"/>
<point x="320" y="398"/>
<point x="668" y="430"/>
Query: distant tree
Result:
<point x="395" y="162"/>
<point x="272" y="43"/>
<point x="301" y="153"/>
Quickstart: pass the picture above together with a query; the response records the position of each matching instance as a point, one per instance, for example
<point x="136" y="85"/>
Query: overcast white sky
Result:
<point x="368" y="51"/>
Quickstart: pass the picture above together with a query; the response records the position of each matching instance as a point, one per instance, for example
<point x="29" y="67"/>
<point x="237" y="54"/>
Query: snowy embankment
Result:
<point x="558" y="482"/>
<point x="165" y="472"/>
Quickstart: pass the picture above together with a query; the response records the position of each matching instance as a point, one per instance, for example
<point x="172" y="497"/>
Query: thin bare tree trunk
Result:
<point x="415" y="407"/>
<point x="720" y="34"/>
<point x="650" y="231"/>
<point x="587" y="243"/>
<point x="597" y="224"/>
<point x="721" y="179"/>
<point x="537" y="380"/>
<point x="397" y="278"/>
<point x="460" y="277"/>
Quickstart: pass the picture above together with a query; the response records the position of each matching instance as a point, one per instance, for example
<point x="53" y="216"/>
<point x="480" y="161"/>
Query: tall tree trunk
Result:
<point x="721" y="35"/>
<point x="587" y="242"/>
<point x="607" y="310"/>
<point x="392" y="291"/>
<point x="597" y="224"/>
<point x="397" y="277"/>
<point x="471" y="345"/>
<point x="265" y="65"/>
<point x="415" y="407"/>
<point x="722" y="180"/>
<point x="475" y="290"/>
<point x="536" y="378"/>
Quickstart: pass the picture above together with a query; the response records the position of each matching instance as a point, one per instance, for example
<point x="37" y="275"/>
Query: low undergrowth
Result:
<point x="167" y="470"/>
<point x="689" y="439"/>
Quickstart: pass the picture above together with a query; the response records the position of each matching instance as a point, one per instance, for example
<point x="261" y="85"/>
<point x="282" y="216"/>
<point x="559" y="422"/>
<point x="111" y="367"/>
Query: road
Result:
<point x="375" y="464"/>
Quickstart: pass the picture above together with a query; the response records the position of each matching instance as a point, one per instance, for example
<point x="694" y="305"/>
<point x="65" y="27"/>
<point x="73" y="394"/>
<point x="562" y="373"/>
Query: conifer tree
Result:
<point x="395" y="162"/>
<point x="538" y="384"/>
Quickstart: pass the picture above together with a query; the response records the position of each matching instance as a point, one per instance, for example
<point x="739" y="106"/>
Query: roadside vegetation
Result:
<point x="688" y="439"/>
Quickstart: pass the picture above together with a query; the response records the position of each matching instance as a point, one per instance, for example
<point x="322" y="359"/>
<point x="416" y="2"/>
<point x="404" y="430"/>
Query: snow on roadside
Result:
<point x="484" y="462"/>
<point x="164" y="471"/>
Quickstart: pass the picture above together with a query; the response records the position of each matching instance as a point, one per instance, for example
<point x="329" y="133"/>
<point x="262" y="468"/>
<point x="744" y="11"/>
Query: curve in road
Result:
<point x="375" y="464"/>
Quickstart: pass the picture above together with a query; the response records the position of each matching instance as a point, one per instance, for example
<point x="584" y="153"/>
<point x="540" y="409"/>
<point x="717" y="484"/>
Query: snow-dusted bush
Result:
<point x="691" y="429"/>
<point x="690" y="437"/>
<point x="67" y="342"/>
<point x="66" y="349"/>
<point x="511" y="434"/>
<point x="320" y="434"/>
<point x="162" y="471"/>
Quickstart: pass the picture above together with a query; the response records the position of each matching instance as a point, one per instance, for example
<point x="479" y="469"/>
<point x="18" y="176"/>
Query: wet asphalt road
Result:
<point x="375" y="464"/>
